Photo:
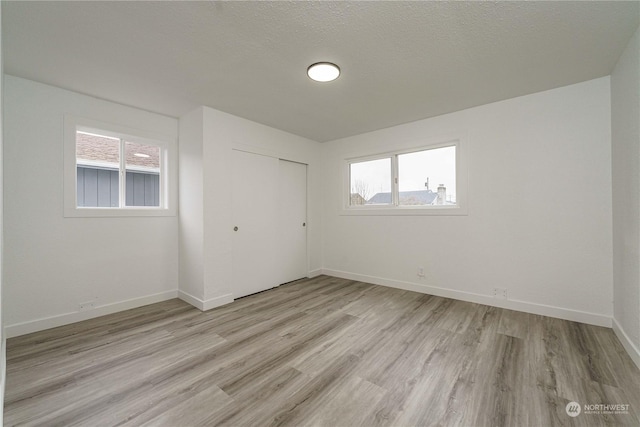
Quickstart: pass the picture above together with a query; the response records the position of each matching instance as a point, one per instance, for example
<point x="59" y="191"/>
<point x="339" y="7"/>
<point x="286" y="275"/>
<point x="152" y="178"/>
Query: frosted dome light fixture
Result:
<point x="323" y="71"/>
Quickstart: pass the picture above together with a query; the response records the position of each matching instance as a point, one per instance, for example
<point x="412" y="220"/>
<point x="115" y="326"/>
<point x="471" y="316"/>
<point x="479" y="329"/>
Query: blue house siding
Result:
<point x="98" y="187"/>
<point x="143" y="189"/>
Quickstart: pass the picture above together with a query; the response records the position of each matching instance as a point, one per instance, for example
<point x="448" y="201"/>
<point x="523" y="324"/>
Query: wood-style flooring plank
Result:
<point x="320" y="352"/>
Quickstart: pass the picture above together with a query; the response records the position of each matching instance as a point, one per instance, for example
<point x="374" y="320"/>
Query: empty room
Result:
<point x="380" y="213"/>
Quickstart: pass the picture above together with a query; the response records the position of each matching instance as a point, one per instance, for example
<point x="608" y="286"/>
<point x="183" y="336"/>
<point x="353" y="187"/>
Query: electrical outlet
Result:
<point x="500" y="293"/>
<point x="420" y="271"/>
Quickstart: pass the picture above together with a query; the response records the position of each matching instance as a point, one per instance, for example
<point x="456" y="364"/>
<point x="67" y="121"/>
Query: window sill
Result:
<point x="404" y="211"/>
<point x="117" y="212"/>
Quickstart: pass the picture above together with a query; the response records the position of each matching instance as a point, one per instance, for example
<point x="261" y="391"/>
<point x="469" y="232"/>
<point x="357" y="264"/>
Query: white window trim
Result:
<point x="168" y="184"/>
<point x="116" y="166"/>
<point x="98" y="165"/>
<point x="460" y="208"/>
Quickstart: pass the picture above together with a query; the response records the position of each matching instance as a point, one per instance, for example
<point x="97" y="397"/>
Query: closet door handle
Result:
<point x="304" y="224"/>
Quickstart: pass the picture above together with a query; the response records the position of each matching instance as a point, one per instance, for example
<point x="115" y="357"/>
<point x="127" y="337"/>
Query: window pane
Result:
<point x="427" y="177"/>
<point x="97" y="166"/>
<point x="143" y="174"/>
<point x="371" y="182"/>
<point x="92" y="149"/>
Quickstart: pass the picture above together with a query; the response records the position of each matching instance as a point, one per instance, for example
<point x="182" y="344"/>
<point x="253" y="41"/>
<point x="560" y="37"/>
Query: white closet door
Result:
<point x="292" y="218"/>
<point x="255" y="219"/>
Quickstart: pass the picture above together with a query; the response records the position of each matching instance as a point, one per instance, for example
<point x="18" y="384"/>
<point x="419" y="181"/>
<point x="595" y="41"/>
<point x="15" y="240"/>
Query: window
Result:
<point x="111" y="171"/>
<point x="425" y="180"/>
<point x="97" y="168"/>
<point x="368" y="178"/>
<point x="419" y="173"/>
<point x="102" y="159"/>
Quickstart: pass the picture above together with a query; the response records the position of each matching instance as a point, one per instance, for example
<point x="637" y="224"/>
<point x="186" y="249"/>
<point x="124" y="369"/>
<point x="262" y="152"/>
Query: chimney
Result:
<point x="442" y="194"/>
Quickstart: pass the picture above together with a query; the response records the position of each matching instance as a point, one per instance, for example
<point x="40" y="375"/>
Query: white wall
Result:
<point x="625" y="129"/>
<point x="52" y="263"/>
<point x="539" y="208"/>
<point x="191" y="205"/>
<point x="222" y="132"/>
<point x="3" y="339"/>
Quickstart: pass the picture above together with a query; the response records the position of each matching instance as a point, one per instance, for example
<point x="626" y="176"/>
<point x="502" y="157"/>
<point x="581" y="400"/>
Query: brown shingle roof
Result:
<point x="105" y="149"/>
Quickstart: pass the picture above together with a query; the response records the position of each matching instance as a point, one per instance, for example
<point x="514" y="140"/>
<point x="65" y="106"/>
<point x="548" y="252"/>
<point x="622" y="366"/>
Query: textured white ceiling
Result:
<point x="400" y="61"/>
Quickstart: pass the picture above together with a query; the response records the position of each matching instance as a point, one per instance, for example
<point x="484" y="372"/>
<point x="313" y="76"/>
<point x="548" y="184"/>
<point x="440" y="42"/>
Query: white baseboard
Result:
<point x="527" y="307"/>
<point x="315" y="273"/>
<point x="217" y="301"/>
<point x="634" y="352"/>
<point x="78" y="316"/>
<point x="204" y="305"/>
<point x="190" y="299"/>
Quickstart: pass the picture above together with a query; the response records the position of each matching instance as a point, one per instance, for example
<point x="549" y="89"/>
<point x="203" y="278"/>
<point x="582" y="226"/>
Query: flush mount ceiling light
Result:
<point x="323" y="71"/>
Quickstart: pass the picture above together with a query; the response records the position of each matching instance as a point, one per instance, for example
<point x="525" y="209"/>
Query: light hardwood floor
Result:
<point x="323" y="351"/>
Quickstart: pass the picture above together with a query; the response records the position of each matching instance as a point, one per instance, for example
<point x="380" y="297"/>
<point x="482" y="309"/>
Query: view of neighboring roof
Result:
<point x="96" y="148"/>
<point x="418" y="197"/>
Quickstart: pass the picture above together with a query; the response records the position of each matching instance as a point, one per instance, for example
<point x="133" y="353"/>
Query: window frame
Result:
<point x="167" y="172"/>
<point x="460" y="208"/>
